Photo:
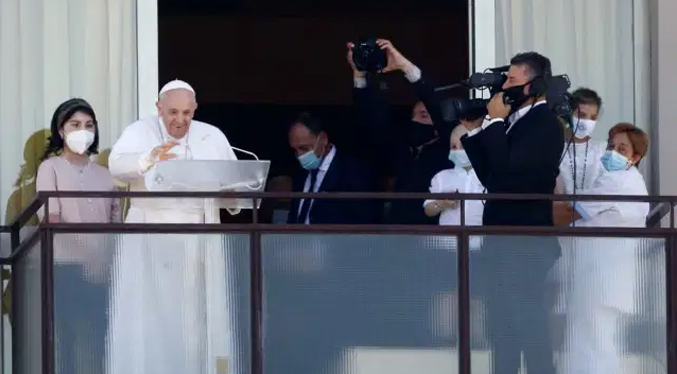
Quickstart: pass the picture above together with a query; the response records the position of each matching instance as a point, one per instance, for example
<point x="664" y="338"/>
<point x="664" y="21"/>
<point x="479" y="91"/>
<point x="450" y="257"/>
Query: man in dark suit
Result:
<point x="326" y="169"/>
<point x="412" y="156"/>
<point x="517" y="150"/>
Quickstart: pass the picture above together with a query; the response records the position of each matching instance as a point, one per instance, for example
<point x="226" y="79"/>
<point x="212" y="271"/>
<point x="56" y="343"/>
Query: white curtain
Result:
<point x="601" y="44"/>
<point x="52" y="50"/>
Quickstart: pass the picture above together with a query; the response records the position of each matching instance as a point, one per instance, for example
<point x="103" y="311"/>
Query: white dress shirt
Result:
<point x="321" y="172"/>
<point x="582" y="164"/>
<point x="512" y="119"/>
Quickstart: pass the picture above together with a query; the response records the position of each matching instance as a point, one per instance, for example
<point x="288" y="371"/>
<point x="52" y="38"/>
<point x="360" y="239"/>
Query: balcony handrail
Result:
<point x="352" y="195"/>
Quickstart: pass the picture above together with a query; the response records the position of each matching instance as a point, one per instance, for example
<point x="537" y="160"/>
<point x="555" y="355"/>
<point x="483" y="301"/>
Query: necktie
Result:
<point x="506" y="124"/>
<point x="305" y="203"/>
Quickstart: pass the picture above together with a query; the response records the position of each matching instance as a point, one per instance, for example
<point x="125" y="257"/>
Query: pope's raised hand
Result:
<point x="161" y="152"/>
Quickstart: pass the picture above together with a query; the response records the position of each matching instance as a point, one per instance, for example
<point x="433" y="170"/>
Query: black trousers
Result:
<point x="80" y="321"/>
<point x="513" y="272"/>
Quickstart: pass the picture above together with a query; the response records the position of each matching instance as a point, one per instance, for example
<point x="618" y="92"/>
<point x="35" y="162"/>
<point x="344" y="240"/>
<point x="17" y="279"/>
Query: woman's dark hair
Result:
<point x="61" y="115"/>
<point x="585" y="96"/>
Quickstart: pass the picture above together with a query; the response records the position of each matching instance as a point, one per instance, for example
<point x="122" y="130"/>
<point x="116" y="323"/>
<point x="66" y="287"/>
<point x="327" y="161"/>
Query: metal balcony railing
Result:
<point x="437" y="248"/>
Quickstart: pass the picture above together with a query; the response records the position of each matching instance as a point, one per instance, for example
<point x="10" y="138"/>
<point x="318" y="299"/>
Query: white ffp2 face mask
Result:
<point x="79" y="141"/>
<point x="582" y="127"/>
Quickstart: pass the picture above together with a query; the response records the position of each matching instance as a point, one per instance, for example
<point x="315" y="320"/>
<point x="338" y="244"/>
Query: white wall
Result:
<point x="663" y="102"/>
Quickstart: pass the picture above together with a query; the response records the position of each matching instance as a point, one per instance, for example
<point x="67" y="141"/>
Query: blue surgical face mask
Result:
<point x="614" y="161"/>
<point x="309" y="160"/>
<point x="459" y="158"/>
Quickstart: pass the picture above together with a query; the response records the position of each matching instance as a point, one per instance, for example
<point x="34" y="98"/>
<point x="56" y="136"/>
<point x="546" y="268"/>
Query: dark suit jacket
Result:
<point x="524" y="160"/>
<point x="390" y="150"/>
<point x="345" y="174"/>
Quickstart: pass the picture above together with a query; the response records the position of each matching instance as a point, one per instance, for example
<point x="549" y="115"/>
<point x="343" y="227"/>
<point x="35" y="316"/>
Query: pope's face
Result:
<point x="176" y="108"/>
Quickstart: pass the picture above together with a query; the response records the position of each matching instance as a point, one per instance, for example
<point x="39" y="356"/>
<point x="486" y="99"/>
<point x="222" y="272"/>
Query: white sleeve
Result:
<point x="435" y="187"/>
<point x="485" y="124"/>
<point x="605" y="185"/>
<point x="131" y="157"/>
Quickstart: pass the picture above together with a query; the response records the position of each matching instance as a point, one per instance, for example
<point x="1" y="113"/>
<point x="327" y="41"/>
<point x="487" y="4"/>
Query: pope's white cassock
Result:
<point x="170" y="311"/>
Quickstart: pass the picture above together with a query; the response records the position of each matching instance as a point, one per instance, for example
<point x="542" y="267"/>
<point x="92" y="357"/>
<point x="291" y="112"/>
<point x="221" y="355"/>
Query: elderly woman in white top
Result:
<point x="602" y="282"/>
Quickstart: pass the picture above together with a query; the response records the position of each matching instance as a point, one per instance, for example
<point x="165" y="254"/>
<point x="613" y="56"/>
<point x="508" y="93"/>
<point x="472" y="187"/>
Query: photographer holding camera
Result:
<point x="416" y="157"/>
<point x="517" y="151"/>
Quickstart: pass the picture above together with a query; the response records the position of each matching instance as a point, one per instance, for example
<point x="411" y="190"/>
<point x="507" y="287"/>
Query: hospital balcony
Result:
<point x="332" y="299"/>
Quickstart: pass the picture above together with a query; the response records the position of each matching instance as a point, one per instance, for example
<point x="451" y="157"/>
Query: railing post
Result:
<point x="256" y="293"/>
<point x="47" y="291"/>
<point x="463" y="303"/>
<point x="463" y="250"/>
<point x="671" y="307"/>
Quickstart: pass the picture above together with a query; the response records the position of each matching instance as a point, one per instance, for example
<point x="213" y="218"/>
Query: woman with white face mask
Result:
<point x="580" y="167"/>
<point x="581" y="160"/>
<point x="602" y="283"/>
<point x="81" y="261"/>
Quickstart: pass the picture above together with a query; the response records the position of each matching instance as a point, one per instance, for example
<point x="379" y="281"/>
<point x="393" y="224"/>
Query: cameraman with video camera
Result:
<point x="517" y="151"/>
<point x="412" y="158"/>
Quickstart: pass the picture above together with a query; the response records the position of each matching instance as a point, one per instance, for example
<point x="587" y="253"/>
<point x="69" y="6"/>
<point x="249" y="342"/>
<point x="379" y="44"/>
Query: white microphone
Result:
<point x="246" y="152"/>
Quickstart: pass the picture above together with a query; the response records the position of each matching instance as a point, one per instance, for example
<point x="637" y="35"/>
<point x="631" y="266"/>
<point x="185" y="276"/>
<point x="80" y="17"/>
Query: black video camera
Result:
<point x="555" y="89"/>
<point x="368" y="56"/>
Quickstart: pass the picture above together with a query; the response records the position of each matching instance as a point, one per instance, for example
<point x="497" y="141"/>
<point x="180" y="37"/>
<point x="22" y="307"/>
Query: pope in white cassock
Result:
<point x="170" y="310"/>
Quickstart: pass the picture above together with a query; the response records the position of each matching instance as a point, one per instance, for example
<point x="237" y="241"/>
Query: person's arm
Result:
<point x="563" y="213"/>
<point x="371" y="111"/>
<point x="433" y="208"/>
<point x="425" y="91"/>
<point x="607" y="184"/>
<point x="370" y="105"/>
<point x="559" y="185"/>
<point x="46" y="181"/>
<point x="133" y="154"/>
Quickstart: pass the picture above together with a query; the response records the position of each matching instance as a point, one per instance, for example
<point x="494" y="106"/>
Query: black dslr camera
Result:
<point x="368" y="56"/>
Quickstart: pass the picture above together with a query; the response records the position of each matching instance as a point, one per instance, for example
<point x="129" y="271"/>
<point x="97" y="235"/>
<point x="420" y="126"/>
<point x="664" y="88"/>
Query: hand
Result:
<point x="447" y="204"/>
<point x="472" y="125"/>
<point x="349" y="57"/>
<point x="160" y="152"/>
<point x="497" y="108"/>
<point x="396" y="61"/>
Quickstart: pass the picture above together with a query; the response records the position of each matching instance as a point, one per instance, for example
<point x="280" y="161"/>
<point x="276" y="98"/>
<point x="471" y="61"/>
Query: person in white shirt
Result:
<point x="580" y="167"/>
<point x="602" y="284"/>
<point x="461" y="178"/>
<point x="171" y="310"/>
<point x="581" y="163"/>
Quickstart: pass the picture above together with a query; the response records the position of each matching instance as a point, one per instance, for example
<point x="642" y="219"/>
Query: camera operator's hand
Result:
<point x="396" y="61"/>
<point x="349" y="57"/>
<point x="497" y="108"/>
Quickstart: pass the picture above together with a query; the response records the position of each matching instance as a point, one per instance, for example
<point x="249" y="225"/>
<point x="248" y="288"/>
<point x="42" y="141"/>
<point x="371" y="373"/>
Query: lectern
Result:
<point x="210" y="175"/>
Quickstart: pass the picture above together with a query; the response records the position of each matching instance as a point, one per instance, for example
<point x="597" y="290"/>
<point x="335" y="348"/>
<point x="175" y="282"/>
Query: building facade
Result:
<point x="109" y="56"/>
